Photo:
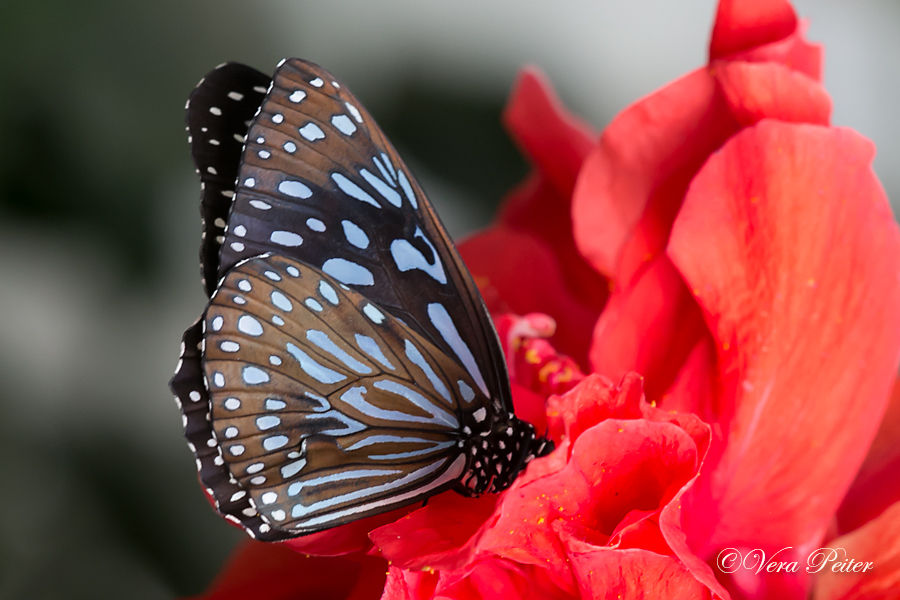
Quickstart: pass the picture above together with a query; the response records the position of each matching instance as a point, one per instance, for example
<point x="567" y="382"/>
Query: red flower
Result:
<point x="725" y="267"/>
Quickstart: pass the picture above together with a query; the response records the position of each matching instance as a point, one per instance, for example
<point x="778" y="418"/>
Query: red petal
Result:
<point x="409" y="585"/>
<point x="275" y="572"/>
<point x="496" y="579"/>
<point x="649" y="327"/>
<point x="436" y="536"/>
<point x="352" y="537"/>
<point x="789" y="244"/>
<point x="876" y="546"/>
<point x="541" y="211"/>
<point x="744" y="24"/>
<point x="594" y="400"/>
<point x="634" y="574"/>
<point x="876" y="485"/>
<point x="646" y="159"/>
<point x="556" y="141"/>
<point x="794" y="52"/>
<point x="693" y="389"/>
<point x="530" y="406"/>
<point x="517" y="272"/>
<point x="616" y="466"/>
<point x="756" y="91"/>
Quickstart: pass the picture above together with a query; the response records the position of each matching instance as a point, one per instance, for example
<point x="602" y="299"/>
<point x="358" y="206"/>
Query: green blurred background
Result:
<point x="99" y="227"/>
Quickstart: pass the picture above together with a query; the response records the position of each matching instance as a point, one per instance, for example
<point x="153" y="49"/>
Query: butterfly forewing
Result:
<point x="320" y="183"/>
<point x="219" y="112"/>
<point x="325" y="407"/>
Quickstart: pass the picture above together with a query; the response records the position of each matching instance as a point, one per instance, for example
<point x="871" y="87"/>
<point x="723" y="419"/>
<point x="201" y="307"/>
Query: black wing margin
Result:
<point x="219" y="112"/>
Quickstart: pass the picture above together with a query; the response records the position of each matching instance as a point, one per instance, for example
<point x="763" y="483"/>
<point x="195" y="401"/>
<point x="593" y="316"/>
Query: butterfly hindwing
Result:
<point x="325" y="407"/>
<point x="219" y="112"/>
<point x="319" y="182"/>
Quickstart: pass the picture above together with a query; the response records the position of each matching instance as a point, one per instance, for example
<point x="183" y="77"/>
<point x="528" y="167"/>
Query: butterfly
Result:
<point x="345" y="364"/>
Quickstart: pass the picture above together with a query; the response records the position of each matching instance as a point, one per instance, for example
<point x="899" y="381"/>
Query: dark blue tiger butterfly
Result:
<point x="346" y="364"/>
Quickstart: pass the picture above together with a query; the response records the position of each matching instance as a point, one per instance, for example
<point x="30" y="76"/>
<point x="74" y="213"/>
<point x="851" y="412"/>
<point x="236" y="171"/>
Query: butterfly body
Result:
<point x="345" y="365"/>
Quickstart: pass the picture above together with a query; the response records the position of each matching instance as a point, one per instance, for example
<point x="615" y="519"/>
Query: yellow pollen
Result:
<point x="531" y="356"/>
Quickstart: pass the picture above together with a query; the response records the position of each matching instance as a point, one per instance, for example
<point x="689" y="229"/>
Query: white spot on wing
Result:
<point x="348" y="272"/>
<point x="371" y="347"/>
<point x="297" y="96"/>
<point x="312" y="132"/>
<point x="355" y="235"/>
<point x="407" y="189"/>
<point x="353" y="190"/>
<point x="343" y="124"/>
<point x="250" y="326"/>
<point x="468" y="393"/>
<point x="259" y="204"/>
<point x="375" y="315"/>
<point x="317" y="82"/>
<point x="319" y="372"/>
<point x="275" y="442"/>
<point x="286" y="238"/>
<point x="416" y="357"/>
<point x="384" y="189"/>
<point x="321" y="339"/>
<point x="294" y="189"/>
<point x="289" y="470"/>
<point x="281" y="301"/>
<point x="328" y="292"/>
<point x="442" y="321"/>
<point x="407" y="257"/>
<point x="254" y="375"/>
<point x="269" y="421"/>
<point x="354" y="111"/>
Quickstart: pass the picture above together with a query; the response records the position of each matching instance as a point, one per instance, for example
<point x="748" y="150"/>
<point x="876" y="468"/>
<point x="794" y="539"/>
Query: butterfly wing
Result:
<point x="219" y="112"/>
<point x="324" y="407"/>
<point x="319" y="182"/>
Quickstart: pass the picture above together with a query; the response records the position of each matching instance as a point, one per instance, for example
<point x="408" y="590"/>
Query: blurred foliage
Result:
<point x="92" y="102"/>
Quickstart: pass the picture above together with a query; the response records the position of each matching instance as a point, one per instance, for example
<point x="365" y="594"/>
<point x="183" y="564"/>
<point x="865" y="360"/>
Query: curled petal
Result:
<point x="631" y="186"/>
<point x="756" y="91"/>
<point x="693" y="390"/>
<point x="794" y="52"/>
<point x="649" y="327"/>
<point x="615" y="467"/>
<point x="436" y="536"/>
<point x="876" y="485"/>
<point x="634" y="574"/>
<point x="556" y="141"/>
<point x="744" y="24"/>
<point x="875" y="571"/>
<point x="788" y="242"/>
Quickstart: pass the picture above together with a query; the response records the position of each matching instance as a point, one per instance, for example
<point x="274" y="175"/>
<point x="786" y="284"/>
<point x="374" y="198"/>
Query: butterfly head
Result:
<point x="499" y="453"/>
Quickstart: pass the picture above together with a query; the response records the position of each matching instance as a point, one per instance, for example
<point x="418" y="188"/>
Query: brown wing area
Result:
<point x="315" y="160"/>
<point x="325" y="407"/>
